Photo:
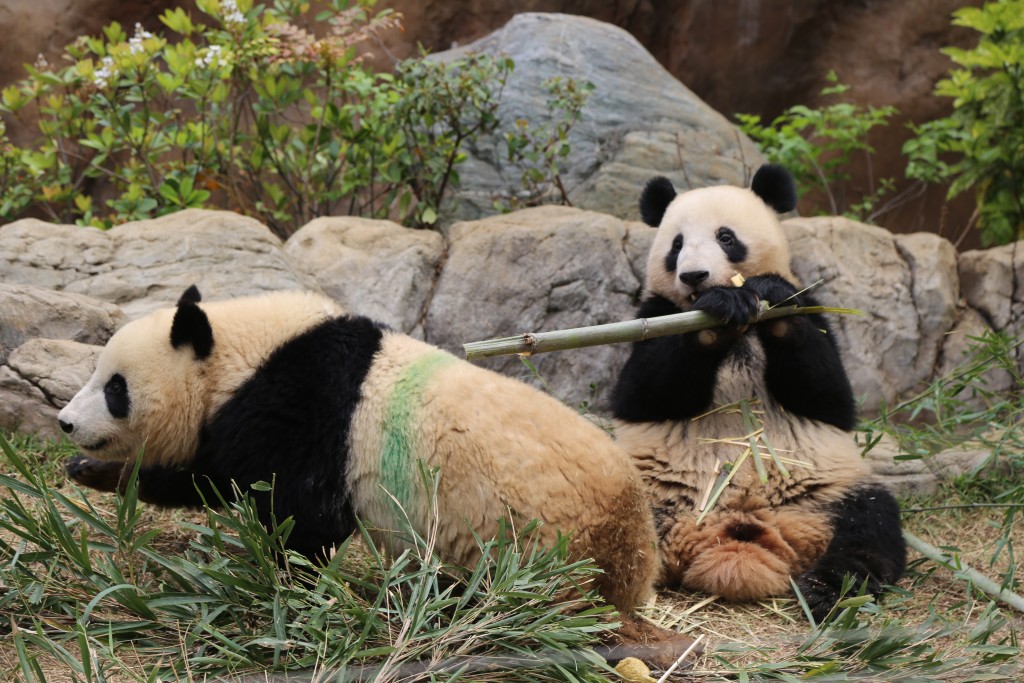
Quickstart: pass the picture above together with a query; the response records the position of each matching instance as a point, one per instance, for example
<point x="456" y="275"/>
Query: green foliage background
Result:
<point x="264" y="110"/>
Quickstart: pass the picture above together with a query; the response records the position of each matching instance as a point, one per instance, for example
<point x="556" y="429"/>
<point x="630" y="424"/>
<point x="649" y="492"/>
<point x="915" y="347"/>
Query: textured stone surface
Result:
<point x="38" y="379"/>
<point x="377" y="268"/>
<point x="27" y="312"/>
<point x="639" y="121"/>
<point x="923" y="477"/>
<point x="892" y="348"/>
<point x="546" y="268"/>
<point x="148" y="264"/>
<point x="992" y="281"/>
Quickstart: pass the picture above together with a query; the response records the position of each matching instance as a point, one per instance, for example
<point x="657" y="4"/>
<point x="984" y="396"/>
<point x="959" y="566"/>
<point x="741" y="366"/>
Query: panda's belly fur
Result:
<point x="423" y="409"/>
<point x="758" y="533"/>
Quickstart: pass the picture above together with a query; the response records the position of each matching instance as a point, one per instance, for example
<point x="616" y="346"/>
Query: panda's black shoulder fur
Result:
<point x="292" y="416"/>
<point x="673" y="377"/>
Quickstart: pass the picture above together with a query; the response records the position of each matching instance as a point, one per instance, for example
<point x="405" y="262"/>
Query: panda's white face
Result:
<point x="708" y="236"/>
<point x="138" y="376"/>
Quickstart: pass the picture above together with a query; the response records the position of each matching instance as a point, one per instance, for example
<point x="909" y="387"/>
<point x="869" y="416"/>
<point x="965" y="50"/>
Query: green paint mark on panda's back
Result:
<point x="398" y="459"/>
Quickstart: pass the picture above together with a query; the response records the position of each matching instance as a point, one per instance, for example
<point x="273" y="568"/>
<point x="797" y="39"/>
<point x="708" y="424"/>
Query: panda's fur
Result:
<point x="678" y="404"/>
<point x="341" y="414"/>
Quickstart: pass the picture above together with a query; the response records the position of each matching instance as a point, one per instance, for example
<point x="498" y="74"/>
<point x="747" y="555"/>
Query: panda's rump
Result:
<point x="502" y="450"/>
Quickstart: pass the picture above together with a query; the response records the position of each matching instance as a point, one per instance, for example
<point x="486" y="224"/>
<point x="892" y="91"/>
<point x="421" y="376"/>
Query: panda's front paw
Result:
<point x="96" y="474"/>
<point x="735" y="306"/>
<point x="774" y="289"/>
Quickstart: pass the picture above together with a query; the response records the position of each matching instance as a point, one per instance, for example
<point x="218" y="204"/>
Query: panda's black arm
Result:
<point x="165" y="486"/>
<point x="804" y="371"/>
<point x="866" y="543"/>
<point x="179" y="488"/>
<point x="667" y="378"/>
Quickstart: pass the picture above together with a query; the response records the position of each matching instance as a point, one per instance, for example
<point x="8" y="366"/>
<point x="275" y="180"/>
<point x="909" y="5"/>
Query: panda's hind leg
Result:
<point x="866" y="543"/>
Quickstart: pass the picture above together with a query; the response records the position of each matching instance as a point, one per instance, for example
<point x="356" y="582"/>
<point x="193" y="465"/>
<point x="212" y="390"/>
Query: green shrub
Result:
<point x="245" y="111"/>
<point x="980" y="145"/>
<point x="818" y="146"/>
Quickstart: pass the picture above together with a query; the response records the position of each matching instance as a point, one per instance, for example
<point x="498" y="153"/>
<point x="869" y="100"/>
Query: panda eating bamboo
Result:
<point x="757" y="415"/>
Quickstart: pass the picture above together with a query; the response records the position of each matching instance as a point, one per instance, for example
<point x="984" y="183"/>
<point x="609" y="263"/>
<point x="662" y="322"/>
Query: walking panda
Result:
<point x="339" y="412"/>
<point x="687" y="406"/>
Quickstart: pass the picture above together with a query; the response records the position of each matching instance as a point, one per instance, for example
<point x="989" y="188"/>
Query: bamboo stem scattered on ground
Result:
<point x="978" y="579"/>
<point x="531" y="343"/>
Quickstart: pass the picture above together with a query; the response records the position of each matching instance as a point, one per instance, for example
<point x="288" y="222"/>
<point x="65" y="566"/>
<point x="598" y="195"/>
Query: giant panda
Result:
<point x="683" y="406"/>
<point x="343" y="416"/>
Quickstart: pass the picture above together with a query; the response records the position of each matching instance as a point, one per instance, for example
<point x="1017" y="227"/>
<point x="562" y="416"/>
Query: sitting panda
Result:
<point x="339" y="412"/>
<point x="683" y="406"/>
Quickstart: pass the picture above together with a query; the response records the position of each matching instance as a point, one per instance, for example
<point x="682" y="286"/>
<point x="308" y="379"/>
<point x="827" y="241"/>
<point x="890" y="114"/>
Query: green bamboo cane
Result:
<point x="532" y="343"/>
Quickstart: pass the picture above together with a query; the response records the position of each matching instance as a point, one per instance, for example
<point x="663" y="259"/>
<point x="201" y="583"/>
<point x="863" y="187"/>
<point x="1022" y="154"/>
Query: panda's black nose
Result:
<point x="694" y="277"/>
<point x="66" y="427"/>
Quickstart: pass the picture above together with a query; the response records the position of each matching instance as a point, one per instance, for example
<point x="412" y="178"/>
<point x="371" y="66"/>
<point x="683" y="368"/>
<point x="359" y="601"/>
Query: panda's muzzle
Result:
<point x="694" y="277"/>
<point x="68" y="427"/>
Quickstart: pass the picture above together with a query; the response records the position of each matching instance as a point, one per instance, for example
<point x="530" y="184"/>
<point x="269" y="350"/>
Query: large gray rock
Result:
<point x="148" y="264"/>
<point x="545" y="268"/>
<point x="27" y="312"/>
<point x="906" y="288"/>
<point x="992" y="285"/>
<point x="925" y="476"/>
<point x="373" y="267"/>
<point x="639" y="121"/>
<point x="38" y="379"/>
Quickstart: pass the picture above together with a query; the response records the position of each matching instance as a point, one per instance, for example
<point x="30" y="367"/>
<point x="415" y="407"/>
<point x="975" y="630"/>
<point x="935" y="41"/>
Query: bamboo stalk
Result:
<point x="978" y="579"/>
<point x="531" y="343"/>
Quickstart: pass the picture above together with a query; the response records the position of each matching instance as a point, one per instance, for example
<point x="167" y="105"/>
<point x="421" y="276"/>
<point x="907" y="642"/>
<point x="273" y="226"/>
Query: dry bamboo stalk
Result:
<point x="531" y="343"/>
<point x="986" y="584"/>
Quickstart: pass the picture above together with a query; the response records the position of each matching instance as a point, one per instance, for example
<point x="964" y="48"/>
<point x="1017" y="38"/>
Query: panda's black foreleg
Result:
<point x="803" y="369"/>
<point x="867" y="544"/>
<point x="157" y="485"/>
<point x="669" y="378"/>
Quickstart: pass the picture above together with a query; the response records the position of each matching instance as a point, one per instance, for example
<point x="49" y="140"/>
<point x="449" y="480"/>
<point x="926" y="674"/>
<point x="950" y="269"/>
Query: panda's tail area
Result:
<point x="742" y="555"/>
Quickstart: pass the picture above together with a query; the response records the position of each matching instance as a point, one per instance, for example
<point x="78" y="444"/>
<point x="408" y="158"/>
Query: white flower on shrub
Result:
<point x="135" y="45"/>
<point x="232" y="15"/>
<point x="101" y="77"/>
<point x="210" y="57"/>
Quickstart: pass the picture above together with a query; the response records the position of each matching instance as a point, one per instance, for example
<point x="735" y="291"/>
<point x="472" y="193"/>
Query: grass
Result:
<point x="101" y="589"/>
<point x="94" y="587"/>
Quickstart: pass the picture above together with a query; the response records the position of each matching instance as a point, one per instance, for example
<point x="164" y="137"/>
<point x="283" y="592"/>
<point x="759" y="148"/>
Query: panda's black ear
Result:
<point x="191" y="326"/>
<point x="190" y="296"/>
<point x="657" y="195"/>
<point x="775" y="186"/>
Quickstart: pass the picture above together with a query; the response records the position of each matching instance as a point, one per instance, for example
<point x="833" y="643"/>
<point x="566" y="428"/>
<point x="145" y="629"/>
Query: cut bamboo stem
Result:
<point x="532" y="343"/>
<point x="978" y="579"/>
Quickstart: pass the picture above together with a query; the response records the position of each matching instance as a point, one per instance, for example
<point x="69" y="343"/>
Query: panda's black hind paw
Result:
<point x="96" y="474"/>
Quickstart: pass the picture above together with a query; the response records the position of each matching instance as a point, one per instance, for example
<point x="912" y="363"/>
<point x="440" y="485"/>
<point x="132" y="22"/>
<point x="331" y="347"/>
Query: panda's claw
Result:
<point x="773" y="289"/>
<point x="93" y="473"/>
<point x="735" y="306"/>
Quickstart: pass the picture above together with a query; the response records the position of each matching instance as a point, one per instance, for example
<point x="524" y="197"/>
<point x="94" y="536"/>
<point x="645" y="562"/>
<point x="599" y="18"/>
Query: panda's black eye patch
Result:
<point x="115" y="391"/>
<point x="673" y="254"/>
<point x="734" y="249"/>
